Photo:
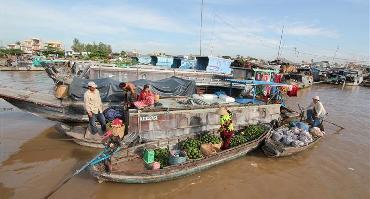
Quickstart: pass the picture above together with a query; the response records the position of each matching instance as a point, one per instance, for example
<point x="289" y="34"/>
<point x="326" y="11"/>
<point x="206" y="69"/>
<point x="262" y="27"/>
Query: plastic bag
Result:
<point x="300" y="125"/>
<point x="289" y="133"/>
<point x="306" y="139"/>
<point x="295" y="130"/>
<point x="277" y="136"/>
<point x="295" y="137"/>
<point x="297" y="143"/>
<point x="287" y="140"/>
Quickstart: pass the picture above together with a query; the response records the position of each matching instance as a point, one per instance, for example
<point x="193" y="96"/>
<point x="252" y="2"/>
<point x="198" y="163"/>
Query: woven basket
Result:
<point x="177" y="157"/>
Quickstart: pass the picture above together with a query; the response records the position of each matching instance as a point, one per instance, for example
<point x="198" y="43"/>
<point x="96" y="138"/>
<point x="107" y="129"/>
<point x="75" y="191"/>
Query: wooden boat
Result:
<point x="128" y="166"/>
<point x="78" y="133"/>
<point x="273" y="148"/>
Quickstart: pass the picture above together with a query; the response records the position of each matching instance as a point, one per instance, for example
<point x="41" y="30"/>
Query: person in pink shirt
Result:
<point x="146" y="98"/>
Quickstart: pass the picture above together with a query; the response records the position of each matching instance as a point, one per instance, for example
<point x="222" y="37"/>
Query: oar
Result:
<point x="341" y="127"/>
<point x="75" y="173"/>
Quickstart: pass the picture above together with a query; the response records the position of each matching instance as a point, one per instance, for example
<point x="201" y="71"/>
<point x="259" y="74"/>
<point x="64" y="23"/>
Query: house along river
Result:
<point x="34" y="158"/>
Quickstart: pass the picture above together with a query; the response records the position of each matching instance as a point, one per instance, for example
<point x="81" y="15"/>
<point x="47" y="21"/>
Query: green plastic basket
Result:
<point x="148" y="156"/>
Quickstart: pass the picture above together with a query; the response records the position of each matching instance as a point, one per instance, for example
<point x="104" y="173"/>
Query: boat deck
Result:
<point x="134" y="166"/>
<point x="31" y="96"/>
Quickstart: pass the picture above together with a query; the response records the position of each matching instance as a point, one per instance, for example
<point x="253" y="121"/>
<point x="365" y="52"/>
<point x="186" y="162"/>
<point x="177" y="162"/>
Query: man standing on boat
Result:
<point x="315" y="112"/>
<point x="94" y="108"/>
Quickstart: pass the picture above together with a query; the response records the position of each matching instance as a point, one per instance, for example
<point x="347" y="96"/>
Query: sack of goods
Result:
<point x="294" y="136"/>
<point x="315" y="131"/>
<point x="226" y="98"/>
<point x="61" y="91"/>
<point x="112" y="113"/>
<point x="209" y="149"/>
<point x="300" y="125"/>
<point x="117" y="128"/>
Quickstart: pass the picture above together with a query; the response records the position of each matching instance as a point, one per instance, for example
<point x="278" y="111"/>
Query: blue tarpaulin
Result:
<point x="188" y="64"/>
<point x="219" y="65"/>
<point x="164" y="61"/>
<point x="145" y="59"/>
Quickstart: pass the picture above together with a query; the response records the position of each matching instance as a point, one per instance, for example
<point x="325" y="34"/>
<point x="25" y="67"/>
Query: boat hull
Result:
<point x="272" y="149"/>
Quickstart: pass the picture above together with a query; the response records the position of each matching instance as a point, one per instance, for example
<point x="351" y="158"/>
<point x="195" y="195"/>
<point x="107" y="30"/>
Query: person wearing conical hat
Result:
<point x="315" y="112"/>
<point x="227" y="128"/>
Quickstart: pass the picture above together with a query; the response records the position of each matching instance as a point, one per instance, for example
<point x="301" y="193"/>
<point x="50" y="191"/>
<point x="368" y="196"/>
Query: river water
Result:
<point x="34" y="158"/>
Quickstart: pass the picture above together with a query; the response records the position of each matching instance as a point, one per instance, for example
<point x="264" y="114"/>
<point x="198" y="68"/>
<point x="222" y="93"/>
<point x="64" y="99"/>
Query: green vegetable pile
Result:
<point x="237" y="140"/>
<point x="208" y="138"/>
<point x="250" y="133"/>
<point x="192" y="148"/>
<point x="161" y="156"/>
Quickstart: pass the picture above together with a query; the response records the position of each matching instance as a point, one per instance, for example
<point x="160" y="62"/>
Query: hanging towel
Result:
<point x="293" y="92"/>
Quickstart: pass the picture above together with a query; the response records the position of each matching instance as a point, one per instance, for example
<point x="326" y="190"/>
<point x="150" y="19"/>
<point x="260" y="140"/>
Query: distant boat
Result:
<point x="349" y="77"/>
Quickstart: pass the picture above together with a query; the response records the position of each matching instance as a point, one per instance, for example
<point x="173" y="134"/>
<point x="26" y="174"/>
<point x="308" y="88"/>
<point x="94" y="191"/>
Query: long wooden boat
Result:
<point x="128" y="166"/>
<point x="272" y="148"/>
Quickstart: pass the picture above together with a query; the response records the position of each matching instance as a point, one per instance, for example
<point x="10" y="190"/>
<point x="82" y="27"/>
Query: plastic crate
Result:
<point x="148" y="156"/>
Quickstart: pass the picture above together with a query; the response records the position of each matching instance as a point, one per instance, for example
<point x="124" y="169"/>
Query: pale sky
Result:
<point x="313" y="29"/>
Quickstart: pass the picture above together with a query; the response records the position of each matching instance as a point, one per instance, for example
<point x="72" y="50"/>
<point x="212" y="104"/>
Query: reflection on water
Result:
<point x="37" y="158"/>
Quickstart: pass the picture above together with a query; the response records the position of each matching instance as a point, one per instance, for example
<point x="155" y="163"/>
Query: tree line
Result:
<point x="48" y="50"/>
<point x="93" y="50"/>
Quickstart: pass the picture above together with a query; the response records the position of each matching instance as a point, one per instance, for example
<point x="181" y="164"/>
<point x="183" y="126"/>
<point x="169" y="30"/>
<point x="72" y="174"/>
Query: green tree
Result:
<point x="95" y="51"/>
<point x="6" y="52"/>
<point x="123" y="53"/>
<point x="77" y="46"/>
<point x="50" y="50"/>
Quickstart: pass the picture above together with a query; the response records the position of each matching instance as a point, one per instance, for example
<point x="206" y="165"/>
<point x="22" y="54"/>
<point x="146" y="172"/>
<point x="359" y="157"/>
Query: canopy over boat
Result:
<point x="110" y="91"/>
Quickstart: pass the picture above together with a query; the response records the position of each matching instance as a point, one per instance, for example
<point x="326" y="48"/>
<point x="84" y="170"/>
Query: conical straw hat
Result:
<point x="222" y="111"/>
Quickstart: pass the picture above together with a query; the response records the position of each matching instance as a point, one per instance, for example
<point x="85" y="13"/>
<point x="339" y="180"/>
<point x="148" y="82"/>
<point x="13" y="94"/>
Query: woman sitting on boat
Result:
<point x="315" y="112"/>
<point x="227" y="128"/>
<point x="146" y="98"/>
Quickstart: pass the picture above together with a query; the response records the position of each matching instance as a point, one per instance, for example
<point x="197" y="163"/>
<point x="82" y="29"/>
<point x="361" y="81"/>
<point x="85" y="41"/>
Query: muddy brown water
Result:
<point x="34" y="158"/>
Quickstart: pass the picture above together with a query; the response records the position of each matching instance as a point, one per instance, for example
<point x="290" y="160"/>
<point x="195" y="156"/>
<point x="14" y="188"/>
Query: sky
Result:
<point x="313" y="29"/>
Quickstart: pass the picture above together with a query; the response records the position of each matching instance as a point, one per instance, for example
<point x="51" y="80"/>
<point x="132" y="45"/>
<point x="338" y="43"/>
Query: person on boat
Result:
<point x="112" y="140"/>
<point x="94" y="108"/>
<point x="130" y="92"/>
<point x="146" y="98"/>
<point x="315" y="112"/>
<point x="227" y="128"/>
